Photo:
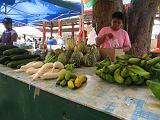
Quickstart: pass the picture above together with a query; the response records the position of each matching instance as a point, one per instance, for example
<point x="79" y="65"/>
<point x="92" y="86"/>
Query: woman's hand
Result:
<point x="110" y="35"/>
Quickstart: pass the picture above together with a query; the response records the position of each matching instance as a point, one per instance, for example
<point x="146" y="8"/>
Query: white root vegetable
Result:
<point x="20" y="70"/>
<point x="27" y="65"/>
<point x="54" y="70"/>
<point x="31" y="71"/>
<point x="32" y="75"/>
<point x="43" y="69"/>
<point x="49" y="75"/>
<point x="58" y="65"/>
<point x="38" y="64"/>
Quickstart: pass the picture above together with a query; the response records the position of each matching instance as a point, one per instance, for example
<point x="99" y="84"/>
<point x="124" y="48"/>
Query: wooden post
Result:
<point x="51" y="28"/>
<point x="44" y="32"/>
<point x="60" y="27"/>
<point x="72" y="30"/>
<point x="80" y="23"/>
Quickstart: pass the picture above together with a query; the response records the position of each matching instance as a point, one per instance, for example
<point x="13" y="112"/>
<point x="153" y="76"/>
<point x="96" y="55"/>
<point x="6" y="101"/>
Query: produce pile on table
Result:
<point x="15" y="57"/>
<point x="56" y="70"/>
<point x="80" y="55"/>
<point x="128" y="70"/>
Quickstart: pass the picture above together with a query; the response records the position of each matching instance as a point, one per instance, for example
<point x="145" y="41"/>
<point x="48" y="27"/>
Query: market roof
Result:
<point x="27" y="11"/>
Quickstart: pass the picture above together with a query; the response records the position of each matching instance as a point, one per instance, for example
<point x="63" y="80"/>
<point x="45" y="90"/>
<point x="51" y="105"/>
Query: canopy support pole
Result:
<point x="59" y="27"/>
<point x="80" y="23"/>
<point x="44" y="33"/>
<point x="82" y="12"/>
<point x="73" y="30"/>
<point x="5" y="12"/>
<point x="51" y="28"/>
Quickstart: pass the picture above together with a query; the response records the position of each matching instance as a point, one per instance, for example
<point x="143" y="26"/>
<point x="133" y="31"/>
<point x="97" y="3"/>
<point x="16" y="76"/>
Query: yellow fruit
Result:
<point x="83" y="78"/>
<point x="70" y="84"/>
<point x="78" y="82"/>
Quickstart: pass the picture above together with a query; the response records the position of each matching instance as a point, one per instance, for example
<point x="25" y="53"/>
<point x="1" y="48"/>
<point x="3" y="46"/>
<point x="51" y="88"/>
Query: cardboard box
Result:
<point x="111" y="53"/>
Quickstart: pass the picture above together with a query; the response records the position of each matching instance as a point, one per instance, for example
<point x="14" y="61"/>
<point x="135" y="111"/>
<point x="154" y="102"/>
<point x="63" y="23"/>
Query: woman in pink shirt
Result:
<point x="114" y="36"/>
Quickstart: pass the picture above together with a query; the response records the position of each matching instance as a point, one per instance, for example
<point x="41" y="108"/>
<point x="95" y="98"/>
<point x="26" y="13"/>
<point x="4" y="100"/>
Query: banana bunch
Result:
<point x="155" y="88"/>
<point x="50" y="57"/>
<point x="66" y="78"/>
<point x="129" y="70"/>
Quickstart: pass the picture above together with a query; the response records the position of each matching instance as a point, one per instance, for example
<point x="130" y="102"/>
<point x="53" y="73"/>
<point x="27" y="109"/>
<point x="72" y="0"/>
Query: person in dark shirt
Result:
<point x="9" y="35"/>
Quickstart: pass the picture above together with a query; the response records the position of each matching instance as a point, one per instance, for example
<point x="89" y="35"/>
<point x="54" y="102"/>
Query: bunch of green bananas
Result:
<point x="155" y="88"/>
<point x="129" y="70"/>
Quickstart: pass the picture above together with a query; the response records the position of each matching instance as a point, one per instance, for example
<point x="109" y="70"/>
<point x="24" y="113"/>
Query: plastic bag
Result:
<point x="91" y="37"/>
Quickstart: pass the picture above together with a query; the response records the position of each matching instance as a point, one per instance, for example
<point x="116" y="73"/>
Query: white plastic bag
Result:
<point x="91" y="37"/>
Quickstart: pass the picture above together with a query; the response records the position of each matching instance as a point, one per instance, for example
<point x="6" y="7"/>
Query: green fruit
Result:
<point x="155" y="88"/>
<point x="73" y="76"/>
<point x="76" y="58"/>
<point x="118" y="78"/>
<point x="155" y="69"/>
<point x="140" y="81"/>
<point x="133" y="76"/>
<point x="62" y="58"/>
<point x="106" y="62"/>
<point x="109" y="78"/>
<point x="153" y="61"/>
<point x="143" y="63"/>
<point x="128" y="81"/>
<point x="139" y="71"/>
<point x="90" y="59"/>
<point x="103" y="76"/>
<point x="123" y="57"/>
<point x="98" y="72"/>
<point x="70" y="67"/>
<point x="105" y="69"/>
<point x="60" y="78"/>
<point x="63" y="83"/>
<point x="124" y="72"/>
<point x="157" y="65"/>
<point x="134" y="60"/>
<point x="68" y="75"/>
<point x="113" y="67"/>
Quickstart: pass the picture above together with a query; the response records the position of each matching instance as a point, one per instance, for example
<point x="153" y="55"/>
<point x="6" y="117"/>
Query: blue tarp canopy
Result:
<point x="28" y="11"/>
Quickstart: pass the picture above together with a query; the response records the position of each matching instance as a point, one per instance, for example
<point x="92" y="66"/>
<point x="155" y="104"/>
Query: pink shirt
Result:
<point x="121" y="37"/>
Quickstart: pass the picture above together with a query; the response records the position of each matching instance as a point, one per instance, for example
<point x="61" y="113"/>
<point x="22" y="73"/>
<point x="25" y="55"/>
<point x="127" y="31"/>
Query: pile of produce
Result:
<point x="80" y="55"/>
<point x="67" y="78"/>
<point x="128" y="70"/>
<point x="41" y="70"/>
<point x="56" y="70"/>
<point x="15" y="57"/>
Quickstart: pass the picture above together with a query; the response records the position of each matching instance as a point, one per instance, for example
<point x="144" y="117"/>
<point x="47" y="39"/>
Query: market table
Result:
<point x="24" y="99"/>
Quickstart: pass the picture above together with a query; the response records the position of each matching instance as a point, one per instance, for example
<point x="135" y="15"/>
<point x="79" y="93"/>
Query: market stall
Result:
<point x="35" y="89"/>
<point x="96" y="100"/>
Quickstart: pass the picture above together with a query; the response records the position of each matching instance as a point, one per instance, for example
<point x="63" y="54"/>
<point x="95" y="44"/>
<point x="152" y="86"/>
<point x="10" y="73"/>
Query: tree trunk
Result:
<point x="140" y="22"/>
<point x="102" y="12"/>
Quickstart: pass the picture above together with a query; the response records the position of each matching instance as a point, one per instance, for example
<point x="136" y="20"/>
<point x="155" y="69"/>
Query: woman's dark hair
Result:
<point x="7" y="21"/>
<point x="118" y="15"/>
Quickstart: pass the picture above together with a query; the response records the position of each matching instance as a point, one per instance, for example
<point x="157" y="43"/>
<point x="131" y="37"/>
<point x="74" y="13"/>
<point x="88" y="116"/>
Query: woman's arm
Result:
<point x="14" y="37"/>
<point x="100" y="40"/>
